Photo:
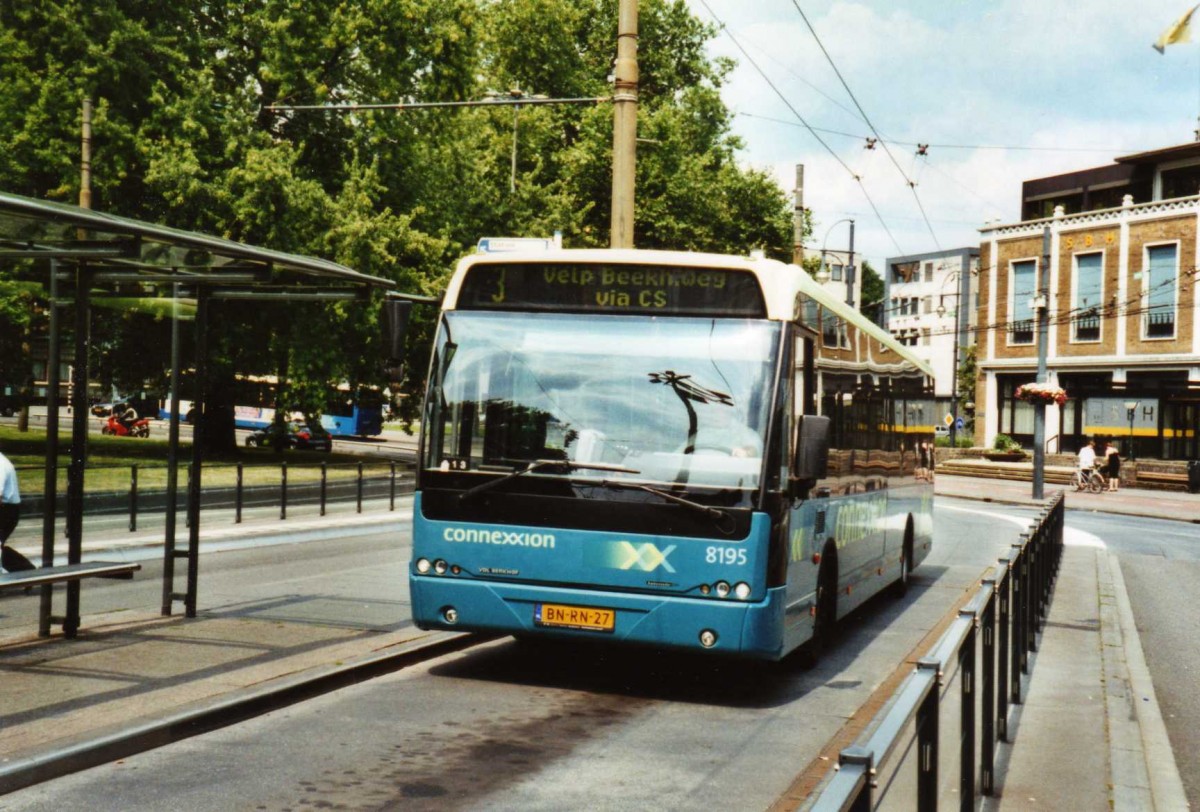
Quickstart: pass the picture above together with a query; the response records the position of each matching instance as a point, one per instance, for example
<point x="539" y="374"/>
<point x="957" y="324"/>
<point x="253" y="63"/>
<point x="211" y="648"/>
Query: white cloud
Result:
<point x="1018" y="73"/>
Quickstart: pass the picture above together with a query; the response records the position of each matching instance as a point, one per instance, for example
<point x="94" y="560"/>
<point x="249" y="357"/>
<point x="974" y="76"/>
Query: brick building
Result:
<point x="1123" y="310"/>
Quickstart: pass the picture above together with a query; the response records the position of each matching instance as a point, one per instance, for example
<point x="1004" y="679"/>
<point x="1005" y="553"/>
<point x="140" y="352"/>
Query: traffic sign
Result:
<point x="959" y="424"/>
<point x="948" y="419"/>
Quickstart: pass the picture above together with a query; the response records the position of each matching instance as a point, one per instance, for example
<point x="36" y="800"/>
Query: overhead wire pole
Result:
<point x="625" y="97"/>
<point x="1042" y="304"/>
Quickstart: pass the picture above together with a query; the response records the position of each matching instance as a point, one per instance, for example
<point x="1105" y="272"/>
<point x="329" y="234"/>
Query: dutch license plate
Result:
<point x="574" y="617"/>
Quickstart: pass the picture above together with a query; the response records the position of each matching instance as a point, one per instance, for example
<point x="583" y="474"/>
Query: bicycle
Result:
<point x="1093" y="481"/>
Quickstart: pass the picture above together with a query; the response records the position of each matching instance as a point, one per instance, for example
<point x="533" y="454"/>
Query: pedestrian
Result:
<point x="1087" y="461"/>
<point x="10" y="514"/>
<point x="926" y="452"/>
<point x="1112" y="467"/>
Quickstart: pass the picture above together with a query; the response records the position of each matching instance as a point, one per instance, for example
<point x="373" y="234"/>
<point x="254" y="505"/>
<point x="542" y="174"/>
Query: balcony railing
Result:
<point x="1021" y="332"/>
<point x="1086" y="327"/>
<point x="1160" y="324"/>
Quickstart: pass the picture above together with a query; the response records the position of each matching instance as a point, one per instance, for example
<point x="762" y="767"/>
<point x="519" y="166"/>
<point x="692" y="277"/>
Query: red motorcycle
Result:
<point x="139" y="428"/>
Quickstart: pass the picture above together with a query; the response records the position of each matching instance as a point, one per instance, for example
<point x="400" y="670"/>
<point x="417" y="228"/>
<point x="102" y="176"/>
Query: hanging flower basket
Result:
<point x="1041" y="393"/>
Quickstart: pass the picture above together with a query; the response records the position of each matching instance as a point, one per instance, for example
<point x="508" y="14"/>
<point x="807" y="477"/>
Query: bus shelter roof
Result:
<point x="137" y="251"/>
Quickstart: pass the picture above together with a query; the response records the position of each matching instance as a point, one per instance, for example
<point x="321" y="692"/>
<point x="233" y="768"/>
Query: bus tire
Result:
<point x="826" y="610"/>
<point x="900" y="585"/>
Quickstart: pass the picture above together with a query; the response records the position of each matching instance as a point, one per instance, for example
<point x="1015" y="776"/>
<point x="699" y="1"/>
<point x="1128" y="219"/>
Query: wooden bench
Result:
<point x="1165" y="477"/>
<point x="39" y="576"/>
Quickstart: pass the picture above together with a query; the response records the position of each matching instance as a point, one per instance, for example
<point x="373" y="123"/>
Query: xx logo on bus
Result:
<point x="625" y="555"/>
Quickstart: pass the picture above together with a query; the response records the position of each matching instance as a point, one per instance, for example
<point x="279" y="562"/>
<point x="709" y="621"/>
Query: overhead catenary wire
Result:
<point x="867" y="120"/>
<point x="803" y="121"/>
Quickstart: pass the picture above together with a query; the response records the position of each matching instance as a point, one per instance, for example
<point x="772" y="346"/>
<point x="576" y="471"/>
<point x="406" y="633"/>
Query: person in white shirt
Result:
<point x="1087" y="461"/>
<point x="10" y="514"/>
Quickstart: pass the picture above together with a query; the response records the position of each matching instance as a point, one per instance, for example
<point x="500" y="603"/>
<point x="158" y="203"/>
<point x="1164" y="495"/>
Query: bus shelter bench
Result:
<point x="67" y="572"/>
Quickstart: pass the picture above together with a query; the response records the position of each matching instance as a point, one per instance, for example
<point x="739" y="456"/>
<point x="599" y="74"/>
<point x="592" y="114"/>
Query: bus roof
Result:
<point x="780" y="282"/>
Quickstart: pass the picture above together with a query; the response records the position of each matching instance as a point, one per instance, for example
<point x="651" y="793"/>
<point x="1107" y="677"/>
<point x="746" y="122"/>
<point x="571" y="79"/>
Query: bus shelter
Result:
<point x="79" y="255"/>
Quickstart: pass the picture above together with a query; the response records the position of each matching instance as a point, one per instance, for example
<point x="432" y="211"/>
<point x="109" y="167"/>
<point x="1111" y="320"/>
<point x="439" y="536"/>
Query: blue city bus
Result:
<point x="354" y="415"/>
<point x="681" y="450"/>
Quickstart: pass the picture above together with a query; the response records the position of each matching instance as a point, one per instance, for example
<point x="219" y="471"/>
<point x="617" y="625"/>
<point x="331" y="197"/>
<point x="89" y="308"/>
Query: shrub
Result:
<point x="1005" y="443"/>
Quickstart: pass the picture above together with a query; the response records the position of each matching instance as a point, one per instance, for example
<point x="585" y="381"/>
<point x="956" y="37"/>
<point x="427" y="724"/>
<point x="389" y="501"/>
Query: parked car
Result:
<point x="297" y="435"/>
<point x="145" y="406"/>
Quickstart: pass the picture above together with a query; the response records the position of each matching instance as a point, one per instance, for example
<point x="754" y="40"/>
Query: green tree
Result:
<point x="872" y="293"/>
<point x="183" y="136"/>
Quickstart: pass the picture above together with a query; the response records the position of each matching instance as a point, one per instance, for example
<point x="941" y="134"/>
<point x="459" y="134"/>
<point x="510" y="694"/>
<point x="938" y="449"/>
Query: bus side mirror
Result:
<point x="811" y="461"/>
<point x="396" y="313"/>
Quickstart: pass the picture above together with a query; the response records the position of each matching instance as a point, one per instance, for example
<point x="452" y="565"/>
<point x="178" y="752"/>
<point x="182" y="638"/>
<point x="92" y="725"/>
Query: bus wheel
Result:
<point x="900" y="585"/>
<point x="826" y="606"/>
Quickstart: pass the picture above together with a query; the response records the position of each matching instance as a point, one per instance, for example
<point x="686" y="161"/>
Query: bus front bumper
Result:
<point x="748" y="629"/>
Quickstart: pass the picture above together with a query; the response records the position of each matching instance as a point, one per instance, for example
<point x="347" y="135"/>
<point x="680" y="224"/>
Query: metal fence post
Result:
<point x="133" y="497"/>
<point x="864" y="758"/>
<point x="283" y="490"/>
<point x="1018" y="629"/>
<point x="360" y="486"/>
<point x="1002" y="659"/>
<point x="324" y="474"/>
<point x="1032" y="593"/>
<point x="987" y="719"/>
<point x="927" y="740"/>
<point x="966" y="753"/>
<point x="392" y="496"/>
<point x="237" y="498"/>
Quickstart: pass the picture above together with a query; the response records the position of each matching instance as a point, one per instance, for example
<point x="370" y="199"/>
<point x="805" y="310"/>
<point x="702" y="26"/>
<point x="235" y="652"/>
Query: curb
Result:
<point x="1144" y="772"/>
<point x="93" y="750"/>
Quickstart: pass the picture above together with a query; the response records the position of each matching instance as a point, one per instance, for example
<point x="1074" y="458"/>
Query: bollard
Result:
<point x="133" y="497"/>
<point x="282" y="490"/>
<point x="360" y="486"/>
<point x="324" y="474"/>
<point x="187" y="519"/>
<point x="392" y="496"/>
<point x="237" y="497"/>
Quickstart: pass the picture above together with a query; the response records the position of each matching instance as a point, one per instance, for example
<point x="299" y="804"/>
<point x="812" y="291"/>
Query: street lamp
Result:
<point x="1130" y="410"/>
<point x="822" y="275"/>
<point x="941" y="313"/>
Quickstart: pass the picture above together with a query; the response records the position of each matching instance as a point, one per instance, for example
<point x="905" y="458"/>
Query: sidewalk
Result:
<point x="1089" y="734"/>
<point x="1078" y="732"/>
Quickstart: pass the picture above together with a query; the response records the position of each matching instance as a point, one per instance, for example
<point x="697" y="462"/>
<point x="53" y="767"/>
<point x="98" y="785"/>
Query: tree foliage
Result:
<point x="183" y="136"/>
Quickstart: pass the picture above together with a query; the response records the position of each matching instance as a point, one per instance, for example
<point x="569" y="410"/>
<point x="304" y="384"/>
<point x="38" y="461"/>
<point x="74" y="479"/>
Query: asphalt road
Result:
<point x="1161" y="564"/>
<point x="514" y="726"/>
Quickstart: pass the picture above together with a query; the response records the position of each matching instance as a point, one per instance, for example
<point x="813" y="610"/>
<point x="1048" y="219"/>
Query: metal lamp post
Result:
<point x="1130" y="411"/>
<point x="822" y="274"/>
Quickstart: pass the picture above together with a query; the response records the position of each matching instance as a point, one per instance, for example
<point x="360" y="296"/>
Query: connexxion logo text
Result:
<point x="473" y="535"/>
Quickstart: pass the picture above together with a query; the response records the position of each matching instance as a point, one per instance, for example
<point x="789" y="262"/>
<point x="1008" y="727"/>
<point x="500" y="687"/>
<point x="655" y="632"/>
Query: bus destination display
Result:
<point x="613" y="288"/>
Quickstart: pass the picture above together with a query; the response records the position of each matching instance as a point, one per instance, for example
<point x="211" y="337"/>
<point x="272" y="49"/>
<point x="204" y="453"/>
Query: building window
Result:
<point x="924" y="336"/>
<point x="928" y="305"/>
<point x="1086" y="296"/>
<point x="830" y="330"/>
<point x="1020" y="309"/>
<point x="835" y="273"/>
<point x="1160" y="285"/>
<point x="928" y="271"/>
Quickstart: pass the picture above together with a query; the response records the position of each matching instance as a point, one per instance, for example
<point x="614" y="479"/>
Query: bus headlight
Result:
<point x="450" y="614"/>
<point x="742" y="591"/>
<point x="440" y="566"/>
<point x="423" y="565"/>
<point x="708" y="638"/>
<point x="722" y="589"/>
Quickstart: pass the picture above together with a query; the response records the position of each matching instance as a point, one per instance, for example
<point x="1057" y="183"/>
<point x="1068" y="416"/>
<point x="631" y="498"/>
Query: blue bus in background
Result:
<point x="347" y="413"/>
<point x="694" y="451"/>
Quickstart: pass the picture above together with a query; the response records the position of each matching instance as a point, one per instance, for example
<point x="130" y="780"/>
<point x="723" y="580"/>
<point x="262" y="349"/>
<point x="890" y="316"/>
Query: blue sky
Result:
<point x="1057" y="86"/>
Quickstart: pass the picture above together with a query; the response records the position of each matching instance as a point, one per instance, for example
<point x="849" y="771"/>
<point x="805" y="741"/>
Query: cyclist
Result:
<point x="1087" y="462"/>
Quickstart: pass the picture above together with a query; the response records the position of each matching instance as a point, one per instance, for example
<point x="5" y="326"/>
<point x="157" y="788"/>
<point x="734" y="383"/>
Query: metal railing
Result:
<point x="1005" y="616"/>
<point x="239" y="486"/>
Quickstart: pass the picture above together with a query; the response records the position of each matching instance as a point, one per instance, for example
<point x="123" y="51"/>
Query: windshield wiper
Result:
<point x="723" y="520"/>
<point x="536" y="465"/>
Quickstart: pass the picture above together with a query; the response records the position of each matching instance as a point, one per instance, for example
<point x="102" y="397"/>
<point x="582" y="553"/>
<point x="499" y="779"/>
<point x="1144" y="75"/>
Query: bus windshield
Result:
<point x="676" y="401"/>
